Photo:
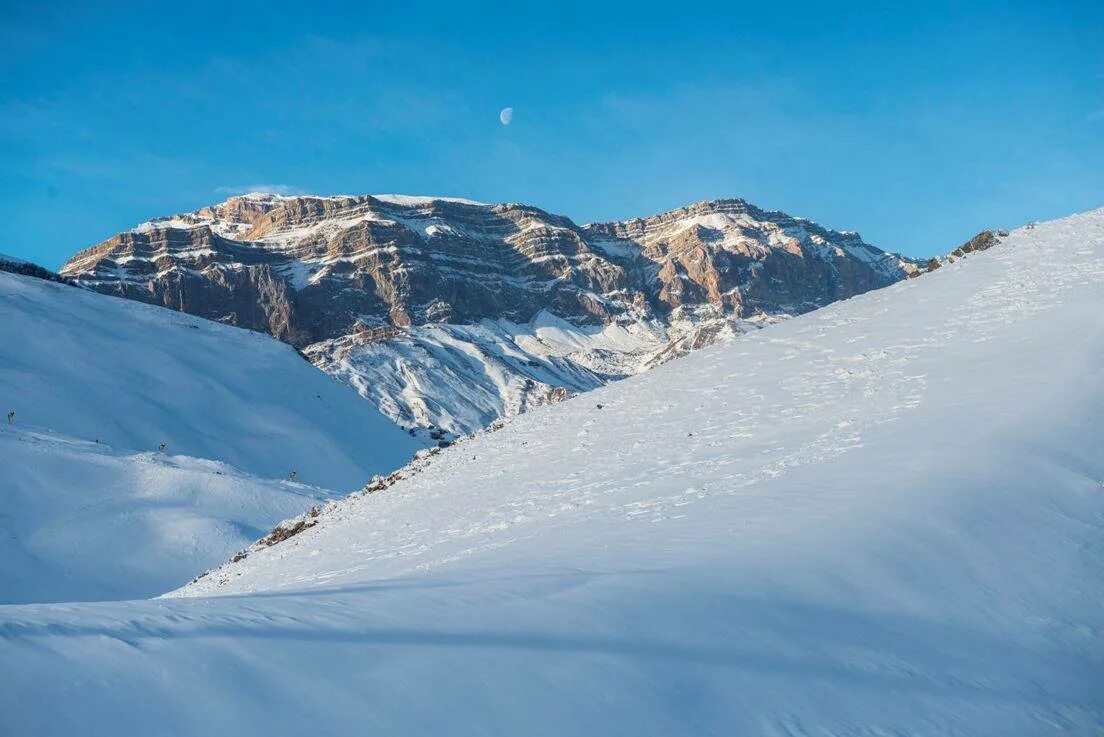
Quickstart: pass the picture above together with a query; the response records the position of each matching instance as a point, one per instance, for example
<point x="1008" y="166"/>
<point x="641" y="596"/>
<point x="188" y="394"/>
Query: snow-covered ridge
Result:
<point x="736" y="223"/>
<point x="224" y="227"/>
<point x="398" y="199"/>
<point x="404" y="199"/>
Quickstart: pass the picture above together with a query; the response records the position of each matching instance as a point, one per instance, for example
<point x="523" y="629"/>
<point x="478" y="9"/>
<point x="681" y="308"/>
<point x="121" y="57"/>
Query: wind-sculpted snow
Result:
<point x="881" y="518"/>
<point x="140" y="441"/>
<point x="366" y="286"/>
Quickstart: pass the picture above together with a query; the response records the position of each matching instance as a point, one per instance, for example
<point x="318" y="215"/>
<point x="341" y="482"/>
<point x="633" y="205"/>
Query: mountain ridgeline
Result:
<point x="448" y="313"/>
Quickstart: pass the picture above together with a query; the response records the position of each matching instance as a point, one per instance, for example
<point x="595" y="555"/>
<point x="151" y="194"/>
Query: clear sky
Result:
<point x="915" y="124"/>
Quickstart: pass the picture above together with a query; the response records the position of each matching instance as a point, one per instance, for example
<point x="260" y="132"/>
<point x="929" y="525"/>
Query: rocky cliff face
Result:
<point x="449" y="313"/>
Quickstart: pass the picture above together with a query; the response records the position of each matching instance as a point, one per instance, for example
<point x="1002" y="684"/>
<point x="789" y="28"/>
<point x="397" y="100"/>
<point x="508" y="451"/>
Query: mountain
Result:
<point x="145" y="444"/>
<point x="884" y="517"/>
<point x="449" y="313"/>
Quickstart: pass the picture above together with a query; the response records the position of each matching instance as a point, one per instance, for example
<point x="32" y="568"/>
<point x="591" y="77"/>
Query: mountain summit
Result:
<point x="449" y="313"/>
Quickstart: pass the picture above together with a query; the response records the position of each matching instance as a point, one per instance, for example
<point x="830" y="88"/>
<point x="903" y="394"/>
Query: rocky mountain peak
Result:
<point x="513" y="305"/>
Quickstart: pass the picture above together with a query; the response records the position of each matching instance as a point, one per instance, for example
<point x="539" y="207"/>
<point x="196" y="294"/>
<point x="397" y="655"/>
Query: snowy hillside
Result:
<point x="93" y="508"/>
<point x="881" y="518"/>
<point x="83" y="521"/>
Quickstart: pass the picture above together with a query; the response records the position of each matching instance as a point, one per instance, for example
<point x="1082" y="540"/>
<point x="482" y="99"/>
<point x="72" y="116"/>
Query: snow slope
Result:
<point x="135" y="376"/>
<point x="92" y="508"/>
<point x="84" y="521"/>
<point x="880" y="518"/>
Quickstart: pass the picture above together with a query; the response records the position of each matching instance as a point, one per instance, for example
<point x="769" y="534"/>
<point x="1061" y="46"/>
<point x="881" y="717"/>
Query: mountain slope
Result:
<point x="384" y="290"/>
<point x="94" y="507"/>
<point x="14" y="265"/>
<point x="881" y="518"/>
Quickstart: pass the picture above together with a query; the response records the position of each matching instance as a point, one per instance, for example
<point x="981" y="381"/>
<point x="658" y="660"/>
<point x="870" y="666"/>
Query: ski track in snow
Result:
<point x="880" y="518"/>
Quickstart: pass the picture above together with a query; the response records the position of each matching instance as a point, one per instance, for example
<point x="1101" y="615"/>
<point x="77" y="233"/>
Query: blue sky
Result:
<point x="915" y="124"/>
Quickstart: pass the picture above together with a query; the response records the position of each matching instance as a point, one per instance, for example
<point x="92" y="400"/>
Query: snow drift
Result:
<point x="883" y="517"/>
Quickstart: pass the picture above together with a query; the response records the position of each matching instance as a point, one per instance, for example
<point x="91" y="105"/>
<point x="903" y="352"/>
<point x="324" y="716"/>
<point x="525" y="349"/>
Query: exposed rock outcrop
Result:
<point x="983" y="241"/>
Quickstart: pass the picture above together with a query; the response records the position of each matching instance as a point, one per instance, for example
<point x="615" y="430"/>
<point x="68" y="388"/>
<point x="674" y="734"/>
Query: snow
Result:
<point x="882" y="517"/>
<point x="624" y="250"/>
<point x="366" y="212"/>
<point x="394" y="199"/>
<point x="92" y="508"/>
<point x="405" y="199"/>
<point x="439" y="229"/>
<point x="300" y="273"/>
<point x="180" y="223"/>
<point x="879" y="260"/>
<point x="274" y="197"/>
<point x="91" y="522"/>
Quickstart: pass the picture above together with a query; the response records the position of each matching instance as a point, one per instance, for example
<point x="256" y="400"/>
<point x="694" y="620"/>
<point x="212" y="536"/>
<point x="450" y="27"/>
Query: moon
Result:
<point x="506" y="115"/>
